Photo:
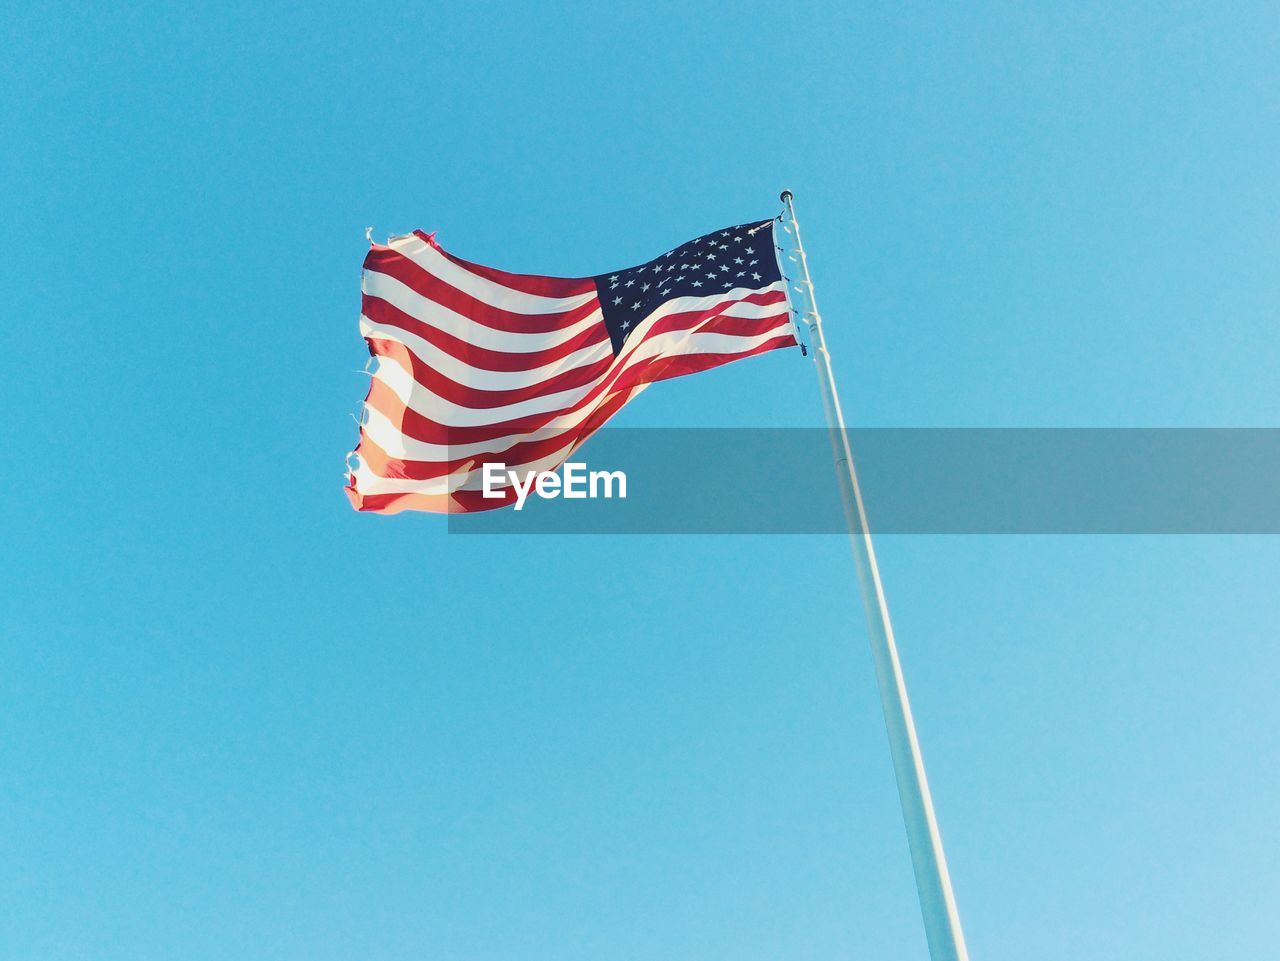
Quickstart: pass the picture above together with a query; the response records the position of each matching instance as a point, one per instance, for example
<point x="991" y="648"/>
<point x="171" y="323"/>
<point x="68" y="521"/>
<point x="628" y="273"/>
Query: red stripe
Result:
<point x="477" y="398"/>
<point x="393" y="264"/>
<point x="525" y="283"/>
<point x="460" y="502"/>
<point x="515" y="455"/>
<point x="419" y="426"/>
<point x="385" y="314"/>
<point x="666" y="368"/>
<point x="483" y="358"/>
<point x="706" y="322"/>
<point x="422" y="428"/>
<point x="660" y="368"/>
<point x="520" y="452"/>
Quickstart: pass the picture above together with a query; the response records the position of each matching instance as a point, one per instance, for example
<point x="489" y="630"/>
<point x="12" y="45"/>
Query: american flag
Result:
<point x="477" y="365"/>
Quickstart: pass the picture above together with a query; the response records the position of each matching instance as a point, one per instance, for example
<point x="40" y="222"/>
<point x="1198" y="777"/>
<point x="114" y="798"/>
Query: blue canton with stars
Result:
<point x="736" y="258"/>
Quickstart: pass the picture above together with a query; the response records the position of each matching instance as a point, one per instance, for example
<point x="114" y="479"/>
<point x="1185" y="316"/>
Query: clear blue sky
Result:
<point x="240" y="721"/>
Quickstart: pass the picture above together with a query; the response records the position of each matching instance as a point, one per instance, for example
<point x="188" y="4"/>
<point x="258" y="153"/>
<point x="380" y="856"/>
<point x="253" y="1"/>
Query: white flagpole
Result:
<point x="937" y="903"/>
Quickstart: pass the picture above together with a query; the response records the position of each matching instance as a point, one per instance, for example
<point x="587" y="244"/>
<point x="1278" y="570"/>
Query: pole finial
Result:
<point x="785" y="196"/>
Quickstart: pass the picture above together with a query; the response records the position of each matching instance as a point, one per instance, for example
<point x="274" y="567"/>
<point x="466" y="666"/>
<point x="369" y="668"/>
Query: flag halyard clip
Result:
<point x="789" y="285"/>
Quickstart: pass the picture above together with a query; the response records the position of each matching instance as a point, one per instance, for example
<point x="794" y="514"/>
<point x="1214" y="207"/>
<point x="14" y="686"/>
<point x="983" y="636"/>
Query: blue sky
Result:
<point x="239" y="721"/>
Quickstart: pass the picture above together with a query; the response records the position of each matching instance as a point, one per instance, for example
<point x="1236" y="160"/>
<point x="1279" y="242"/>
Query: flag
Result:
<point x="478" y="365"/>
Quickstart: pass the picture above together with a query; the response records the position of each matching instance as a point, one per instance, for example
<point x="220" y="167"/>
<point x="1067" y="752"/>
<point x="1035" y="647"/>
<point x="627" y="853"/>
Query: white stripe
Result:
<point x="679" y="342"/>
<point x="682" y="305"/>
<point x="405" y="298"/>
<point x="430" y="404"/>
<point x="387" y="436"/>
<point x="426" y="402"/>
<point x="481" y="379"/>
<point x="464" y="479"/>
<point x="482" y="288"/>
<point x="367" y="482"/>
<point x="477" y="377"/>
<point x="471" y="480"/>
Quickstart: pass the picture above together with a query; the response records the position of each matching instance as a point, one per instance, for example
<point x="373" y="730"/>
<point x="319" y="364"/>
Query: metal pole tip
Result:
<point x="785" y="196"/>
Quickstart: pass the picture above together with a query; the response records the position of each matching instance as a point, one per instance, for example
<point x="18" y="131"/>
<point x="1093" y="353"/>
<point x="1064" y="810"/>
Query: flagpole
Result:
<point x="933" y="883"/>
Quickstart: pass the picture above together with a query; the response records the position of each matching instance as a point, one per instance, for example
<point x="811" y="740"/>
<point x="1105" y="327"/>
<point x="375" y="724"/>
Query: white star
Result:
<point x="613" y="279"/>
<point x="755" y="276"/>
<point x="626" y="324"/>
<point x="711" y="276"/>
<point x="749" y="250"/>
<point x="711" y="256"/>
<point x="724" y="233"/>
<point x="679" y="277"/>
<point x="738" y="239"/>
<point x="636" y="305"/>
<point x="630" y="282"/>
<point x="697" y="283"/>
<point x="726" y="283"/>
<point x="737" y="260"/>
<point x="616" y="301"/>
<point x="664" y="292"/>
<point x="724" y="246"/>
<point x="753" y="263"/>
<point x="724" y="267"/>
<point x="645" y="287"/>
<point x="741" y="272"/>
